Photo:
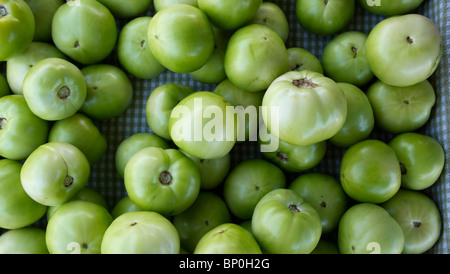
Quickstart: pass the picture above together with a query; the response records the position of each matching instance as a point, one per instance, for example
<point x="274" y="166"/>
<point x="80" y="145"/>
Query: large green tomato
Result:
<point x="324" y="17"/>
<point x="27" y="240"/>
<point x="109" y="91"/>
<point x="18" y="66"/>
<point x="160" y="104"/>
<point x="370" y="171"/>
<point x="43" y="12"/>
<point x="54" y="89"/>
<point x="311" y="108"/>
<point x="77" y="227"/>
<point x="227" y="238"/>
<point x="133" y="144"/>
<point x="344" y="59"/>
<point x="208" y="211"/>
<point x="368" y="228"/>
<point x="17" y="27"/>
<point x="54" y="173"/>
<point x="255" y="56"/>
<point x="17" y="208"/>
<point x="134" y="52"/>
<point x="160" y="4"/>
<point x="141" y="232"/>
<point x="301" y="59"/>
<point x="84" y="30"/>
<point x="284" y="223"/>
<point x="325" y="194"/>
<point x="411" y="106"/>
<point x="421" y="158"/>
<point x="404" y="50"/>
<point x="181" y="38"/>
<point x="271" y="15"/>
<point x="21" y="131"/>
<point x="127" y="9"/>
<point x="419" y="218"/>
<point x="360" y="120"/>
<point x="230" y="14"/>
<point x="165" y="181"/>
<point x="80" y="131"/>
<point x="248" y="182"/>
<point x="204" y="124"/>
<point x="390" y="8"/>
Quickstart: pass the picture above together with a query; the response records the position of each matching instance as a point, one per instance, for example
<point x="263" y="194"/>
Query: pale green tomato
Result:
<point x="228" y="238"/>
<point x="54" y="173"/>
<point x="127" y="9"/>
<point x="54" y="89"/>
<point x="160" y="4"/>
<point x="404" y="50"/>
<point x="18" y="66"/>
<point x="43" y="12"/>
<point x="311" y="108"/>
<point x="133" y="144"/>
<point x="141" y="232"/>
<point x="84" y="30"/>
<point x="27" y="240"/>
<point x="271" y="15"/>
<point x="360" y="120"/>
<point x="301" y="59"/>
<point x="77" y="227"/>
<point x="17" y="208"/>
<point x="134" y="52"/>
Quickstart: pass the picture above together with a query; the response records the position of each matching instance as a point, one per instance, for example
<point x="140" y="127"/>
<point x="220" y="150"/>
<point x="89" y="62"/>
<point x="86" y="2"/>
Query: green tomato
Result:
<point x="80" y="131"/>
<point x="212" y="171"/>
<point x="124" y="205"/>
<point x="18" y="209"/>
<point x="390" y="8"/>
<point x="312" y="107"/>
<point x="325" y="247"/>
<point x="255" y="56"/>
<point x="133" y="144"/>
<point x="301" y="59"/>
<point x="368" y="228"/>
<point x="325" y="194"/>
<point x="411" y="106"/>
<point x="293" y="158"/>
<point x="404" y="50"/>
<point x="204" y="125"/>
<point x="84" y="30"/>
<point x="18" y="66"/>
<point x="344" y="59"/>
<point x="54" y="173"/>
<point x="85" y="194"/>
<point x="284" y="223"/>
<point x="141" y="232"/>
<point x="128" y="9"/>
<point x="370" y="172"/>
<point x="134" y="52"/>
<point x="181" y="38"/>
<point x="21" y="131"/>
<point x="4" y="87"/>
<point x="421" y="158"/>
<point x="165" y="181"/>
<point x="160" y="4"/>
<point x="231" y="14"/>
<point x="109" y="91"/>
<point x="419" y="218"/>
<point x="160" y="104"/>
<point x="27" y="240"/>
<point x="248" y="182"/>
<point x="54" y="89"/>
<point x="360" y="120"/>
<point x="324" y="17"/>
<point x="18" y="27"/>
<point x="227" y="238"/>
<point x="77" y="227"/>
<point x="208" y="211"/>
<point x="271" y="15"/>
<point x="43" y="12"/>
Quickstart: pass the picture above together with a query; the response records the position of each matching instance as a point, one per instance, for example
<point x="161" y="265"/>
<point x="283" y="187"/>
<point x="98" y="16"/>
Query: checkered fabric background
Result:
<point x="106" y="180"/>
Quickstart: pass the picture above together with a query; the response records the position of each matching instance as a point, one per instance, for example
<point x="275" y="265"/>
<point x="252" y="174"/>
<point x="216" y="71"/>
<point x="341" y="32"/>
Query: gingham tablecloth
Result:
<point x="106" y="180"/>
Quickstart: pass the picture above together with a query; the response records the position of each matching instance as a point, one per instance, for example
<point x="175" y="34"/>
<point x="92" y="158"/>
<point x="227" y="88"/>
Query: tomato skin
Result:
<point x="391" y="8"/>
